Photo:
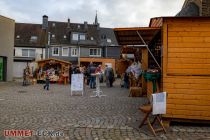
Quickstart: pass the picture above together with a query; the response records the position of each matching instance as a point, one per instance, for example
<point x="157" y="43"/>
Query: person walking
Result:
<point x="109" y="73"/>
<point x="24" y="77"/>
<point x="92" y="76"/>
<point x="47" y="81"/>
<point x="111" y="77"/>
<point x="106" y="73"/>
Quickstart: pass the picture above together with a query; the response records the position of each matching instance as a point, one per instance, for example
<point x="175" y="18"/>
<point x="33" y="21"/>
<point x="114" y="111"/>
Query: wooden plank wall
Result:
<point x="186" y="68"/>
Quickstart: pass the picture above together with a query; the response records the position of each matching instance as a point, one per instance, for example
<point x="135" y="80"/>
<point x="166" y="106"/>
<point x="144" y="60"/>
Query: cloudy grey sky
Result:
<point x="111" y="13"/>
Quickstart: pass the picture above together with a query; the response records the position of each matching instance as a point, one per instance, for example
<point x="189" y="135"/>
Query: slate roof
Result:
<point x="61" y="34"/>
<point x="61" y="29"/>
<point x="23" y="33"/>
<point x="190" y="9"/>
<point x="107" y="33"/>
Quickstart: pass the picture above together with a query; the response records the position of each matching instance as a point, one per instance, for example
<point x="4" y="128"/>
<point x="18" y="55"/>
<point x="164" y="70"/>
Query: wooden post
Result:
<point x="144" y="68"/>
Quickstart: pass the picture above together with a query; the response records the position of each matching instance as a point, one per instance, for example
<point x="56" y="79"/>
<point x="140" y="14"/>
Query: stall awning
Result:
<point x="130" y="36"/>
<point x="141" y="36"/>
<point x="53" y="60"/>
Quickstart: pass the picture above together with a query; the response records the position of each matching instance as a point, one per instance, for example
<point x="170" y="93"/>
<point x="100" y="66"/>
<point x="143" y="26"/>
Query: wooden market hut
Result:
<point x="183" y="44"/>
<point x="138" y="39"/>
<point x="62" y="66"/>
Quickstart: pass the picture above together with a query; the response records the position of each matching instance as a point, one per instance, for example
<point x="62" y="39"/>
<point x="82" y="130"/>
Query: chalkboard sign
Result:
<point x="77" y="83"/>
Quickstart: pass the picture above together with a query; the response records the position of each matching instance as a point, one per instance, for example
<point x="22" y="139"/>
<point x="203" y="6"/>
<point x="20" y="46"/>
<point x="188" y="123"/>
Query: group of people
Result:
<point x="92" y="70"/>
<point x="89" y="74"/>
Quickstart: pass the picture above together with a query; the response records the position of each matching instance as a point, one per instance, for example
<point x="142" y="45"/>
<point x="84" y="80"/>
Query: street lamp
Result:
<point x="48" y="46"/>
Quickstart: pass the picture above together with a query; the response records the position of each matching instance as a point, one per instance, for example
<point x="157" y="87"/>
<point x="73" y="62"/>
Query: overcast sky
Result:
<point x="111" y="13"/>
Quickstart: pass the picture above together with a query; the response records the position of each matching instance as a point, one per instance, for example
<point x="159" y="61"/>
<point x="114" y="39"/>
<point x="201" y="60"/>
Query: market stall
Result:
<point x="176" y="60"/>
<point x="136" y="42"/>
<point x="185" y="66"/>
<point x="58" y="70"/>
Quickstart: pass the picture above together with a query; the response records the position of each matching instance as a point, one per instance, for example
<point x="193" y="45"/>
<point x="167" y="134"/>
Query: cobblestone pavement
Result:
<point x="114" y="117"/>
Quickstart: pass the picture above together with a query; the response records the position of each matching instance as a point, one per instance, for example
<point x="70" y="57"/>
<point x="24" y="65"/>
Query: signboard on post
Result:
<point x="77" y="83"/>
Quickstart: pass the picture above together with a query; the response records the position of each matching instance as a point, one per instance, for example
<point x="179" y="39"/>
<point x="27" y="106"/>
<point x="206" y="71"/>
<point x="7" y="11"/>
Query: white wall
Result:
<point x="7" y="29"/>
<point x="18" y="52"/>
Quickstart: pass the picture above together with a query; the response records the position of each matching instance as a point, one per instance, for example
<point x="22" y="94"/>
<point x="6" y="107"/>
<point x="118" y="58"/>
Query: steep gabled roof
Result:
<point x="24" y="32"/>
<point x="61" y="29"/>
<point x="107" y="33"/>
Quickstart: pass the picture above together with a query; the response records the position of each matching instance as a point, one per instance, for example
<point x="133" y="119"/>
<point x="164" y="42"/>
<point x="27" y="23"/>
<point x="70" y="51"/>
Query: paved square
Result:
<point x="114" y="117"/>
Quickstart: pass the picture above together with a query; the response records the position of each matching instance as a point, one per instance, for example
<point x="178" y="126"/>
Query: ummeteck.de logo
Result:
<point x="30" y="133"/>
<point x="18" y="133"/>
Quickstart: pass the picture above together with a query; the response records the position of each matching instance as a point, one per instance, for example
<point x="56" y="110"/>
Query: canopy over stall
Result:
<point x="137" y="37"/>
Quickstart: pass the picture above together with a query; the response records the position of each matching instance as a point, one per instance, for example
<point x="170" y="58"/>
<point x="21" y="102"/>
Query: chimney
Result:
<point x="44" y="22"/>
<point x="86" y="25"/>
<point x="68" y="25"/>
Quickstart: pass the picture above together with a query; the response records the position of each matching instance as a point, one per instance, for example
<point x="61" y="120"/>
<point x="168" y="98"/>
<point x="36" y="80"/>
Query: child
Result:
<point x="47" y="81"/>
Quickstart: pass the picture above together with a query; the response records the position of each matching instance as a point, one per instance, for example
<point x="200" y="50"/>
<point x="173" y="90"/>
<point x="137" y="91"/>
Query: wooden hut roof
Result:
<point x="129" y="36"/>
<point x="53" y="59"/>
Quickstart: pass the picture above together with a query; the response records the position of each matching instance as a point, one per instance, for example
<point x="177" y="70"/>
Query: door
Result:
<point x="1" y="68"/>
<point x="18" y="69"/>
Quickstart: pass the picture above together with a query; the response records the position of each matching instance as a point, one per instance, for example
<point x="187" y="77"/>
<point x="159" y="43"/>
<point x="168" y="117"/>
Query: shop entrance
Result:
<point x="2" y="69"/>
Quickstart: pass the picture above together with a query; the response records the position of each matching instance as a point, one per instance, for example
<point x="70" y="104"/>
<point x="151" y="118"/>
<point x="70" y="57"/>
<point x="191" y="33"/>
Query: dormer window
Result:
<point x="75" y="36"/>
<point x="103" y="36"/>
<point x="33" y="39"/>
<point x="109" y="40"/>
<point x="17" y="36"/>
<point x="82" y="37"/>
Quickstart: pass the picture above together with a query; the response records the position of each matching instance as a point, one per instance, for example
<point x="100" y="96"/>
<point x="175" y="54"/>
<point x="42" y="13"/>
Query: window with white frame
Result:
<point x="95" y="52"/>
<point x="65" y="51"/>
<point x="75" y="36"/>
<point x="28" y="52"/>
<point x="55" y="51"/>
<point x="74" y="52"/>
<point x="82" y="37"/>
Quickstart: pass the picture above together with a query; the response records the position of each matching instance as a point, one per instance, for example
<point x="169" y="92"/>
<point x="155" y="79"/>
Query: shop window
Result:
<point x="55" y="51"/>
<point x="95" y="52"/>
<point x="65" y="51"/>
<point x="74" y="52"/>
